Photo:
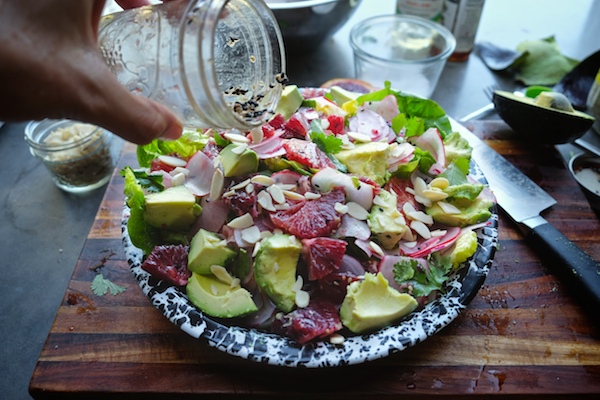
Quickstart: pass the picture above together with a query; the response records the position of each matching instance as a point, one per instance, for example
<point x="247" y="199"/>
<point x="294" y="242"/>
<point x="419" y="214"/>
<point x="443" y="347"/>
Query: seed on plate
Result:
<point x="312" y="195"/>
<point x="251" y="234"/>
<point x="216" y="185"/>
<point x="236" y="138"/>
<point x="241" y="185"/>
<point x="341" y="208"/>
<point x="242" y="222"/>
<point x="178" y="179"/>
<point x="336" y="338"/>
<point x="276" y="193"/>
<point x="357" y="211"/>
<point x="359" y="137"/>
<point x="263" y="180"/>
<point x="221" y="273"/>
<point x="302" y="298"/>
<point x="172" y="161"/>
<point x="448" y="208"/>
<point x="376" y="248"/>
<point x="293" y="195"/>
<point x="421" y="229"/>
<point x="265" y="200"/>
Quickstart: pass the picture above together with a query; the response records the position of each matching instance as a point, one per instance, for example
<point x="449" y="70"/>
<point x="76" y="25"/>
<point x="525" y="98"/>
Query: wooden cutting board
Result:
<point x="521" y="336"/>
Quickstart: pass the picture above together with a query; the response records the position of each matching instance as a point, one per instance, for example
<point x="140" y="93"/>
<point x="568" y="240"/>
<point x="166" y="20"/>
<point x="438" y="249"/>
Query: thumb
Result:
<point x="132" y="117"/>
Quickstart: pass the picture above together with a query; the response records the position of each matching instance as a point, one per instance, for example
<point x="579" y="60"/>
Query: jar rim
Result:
<point x="36" y="131"/>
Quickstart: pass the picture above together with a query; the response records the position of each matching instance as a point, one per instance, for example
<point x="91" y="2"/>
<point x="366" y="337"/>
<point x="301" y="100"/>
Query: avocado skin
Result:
<point x="537" y="124"/>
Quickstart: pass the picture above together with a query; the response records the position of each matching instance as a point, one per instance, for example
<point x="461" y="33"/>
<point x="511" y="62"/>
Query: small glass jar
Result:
<point x="215" y="63"/>
<point x="77" y="155"/>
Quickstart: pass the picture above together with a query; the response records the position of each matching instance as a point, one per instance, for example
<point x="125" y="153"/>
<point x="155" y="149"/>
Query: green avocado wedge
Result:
<point x="540" y="124"/>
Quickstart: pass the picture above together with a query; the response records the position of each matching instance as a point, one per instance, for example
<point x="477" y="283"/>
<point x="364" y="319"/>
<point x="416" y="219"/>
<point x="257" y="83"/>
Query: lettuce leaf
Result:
<point x="186" y="146"/>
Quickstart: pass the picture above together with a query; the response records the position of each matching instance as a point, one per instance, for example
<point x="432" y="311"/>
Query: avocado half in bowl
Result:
<point x="547" y="119"/>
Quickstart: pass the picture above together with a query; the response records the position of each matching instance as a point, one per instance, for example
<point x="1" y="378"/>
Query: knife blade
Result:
<point x="524" y="201"/>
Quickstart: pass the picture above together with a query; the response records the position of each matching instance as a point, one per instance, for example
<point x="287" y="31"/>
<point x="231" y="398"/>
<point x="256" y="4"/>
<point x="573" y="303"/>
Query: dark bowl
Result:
<point x="585" y="168"/>
<point x="305" y="24"/>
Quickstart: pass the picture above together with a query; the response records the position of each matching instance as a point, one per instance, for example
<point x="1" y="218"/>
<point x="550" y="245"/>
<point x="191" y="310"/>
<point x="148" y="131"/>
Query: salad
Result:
<point x="341" y="215"/>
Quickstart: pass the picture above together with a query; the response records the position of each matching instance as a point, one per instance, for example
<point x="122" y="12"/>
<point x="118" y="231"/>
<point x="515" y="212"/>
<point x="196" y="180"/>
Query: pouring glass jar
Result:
<point x="215" y="63"/>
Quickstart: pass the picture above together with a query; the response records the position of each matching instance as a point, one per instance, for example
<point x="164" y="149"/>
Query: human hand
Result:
<point x="51" y="67"/>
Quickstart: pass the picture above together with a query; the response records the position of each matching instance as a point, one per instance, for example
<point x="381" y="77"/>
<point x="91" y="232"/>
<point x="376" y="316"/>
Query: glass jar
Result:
<point x="215" y="63"/>
<point x="77" y="155"/>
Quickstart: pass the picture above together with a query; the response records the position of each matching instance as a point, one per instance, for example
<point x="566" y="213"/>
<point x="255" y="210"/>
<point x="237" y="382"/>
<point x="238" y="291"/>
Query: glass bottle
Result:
<point x="215" y="63"/>
<point x="462" y="17"/>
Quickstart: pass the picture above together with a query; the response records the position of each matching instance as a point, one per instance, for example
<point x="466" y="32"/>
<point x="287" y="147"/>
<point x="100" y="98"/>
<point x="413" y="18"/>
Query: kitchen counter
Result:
<point x="44" y="229"/>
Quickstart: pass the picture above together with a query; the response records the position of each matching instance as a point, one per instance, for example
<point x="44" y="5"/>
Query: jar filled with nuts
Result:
<point x="78" y="155"/>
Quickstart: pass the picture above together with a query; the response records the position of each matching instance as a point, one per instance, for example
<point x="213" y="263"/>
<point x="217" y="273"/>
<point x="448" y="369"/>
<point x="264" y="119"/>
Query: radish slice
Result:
<point x="431" y="140"/>
<point x="201" y="173"/>
<point x="369" y="123"/>
<point x="388" y="107"/>
<point x="431" y="245"/>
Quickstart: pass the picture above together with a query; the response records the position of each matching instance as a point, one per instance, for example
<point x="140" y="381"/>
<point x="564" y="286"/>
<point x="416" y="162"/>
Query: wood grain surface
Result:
<point x="522" y="336"/>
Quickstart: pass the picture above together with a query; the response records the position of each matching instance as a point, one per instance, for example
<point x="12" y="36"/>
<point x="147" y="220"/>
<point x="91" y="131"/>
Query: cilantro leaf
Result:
<point x="328" y="144"/>
<point x="423" y="281"/>
<point x="151" y="182"/>
<point x="100" y="286"/>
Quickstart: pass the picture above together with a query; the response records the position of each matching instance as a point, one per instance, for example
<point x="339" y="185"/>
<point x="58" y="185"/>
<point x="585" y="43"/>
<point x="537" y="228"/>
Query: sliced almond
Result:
<point x="257" y="135"/>
<point x="421" y="229"/>
<point x="302" y="298"/>
<point x="236" y="138"/>
<point x="336" y="338"/>
<point x="359" y="137"/>
<point x="249" y="188"/>
<point x="265" y="200"/>
<point x="293" y="195"/>
<point x="420" y="216"/>
<point x="178" y="179"/>
<point x="435" y="194"/>
<point x="440" y="183"/>
<point x="221" y="273"/>
<point x="357" y="211"/>
<point x="312" y="195"/>
<point x="377" y="249"/>
<point x="276" y="193"/>
<point x="251" y="234"/>
<point x="179" y="170"/>
<point x="239" y="149"/>
<point x="242" y="222"/>
<point x="216" y="185"/>
<point x="298" y="284"/>
<point x="448" y="208"/>
<point x="172" y="161"/>
<point x="241" y="185"/>
<point x="263" y="180"/>
<point x="341" y="208"/>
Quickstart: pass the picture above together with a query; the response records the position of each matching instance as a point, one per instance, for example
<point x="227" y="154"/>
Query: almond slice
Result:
<point x="312" y="195"/>
<point x="241" y="185"/>
<point x="263" y="180"/>
<point x="242" y="222"/>
<point x="276" y="193"/>
<point x="357" y="211"/>
<point x="216" y="185"/>
<point x="221" y="273"/>
<point x="251" y="234"/>
<point x="236" y="138"/>
<point x="302" y="298"/>
<point x="421" y="229"/>
<point x="341" y="208"/>
<point x="448" y="208"/>
<point x="172" y="161"/>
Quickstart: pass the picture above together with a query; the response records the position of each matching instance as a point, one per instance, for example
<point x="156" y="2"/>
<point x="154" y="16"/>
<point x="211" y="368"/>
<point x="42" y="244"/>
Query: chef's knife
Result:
<point x="523" y="200"/>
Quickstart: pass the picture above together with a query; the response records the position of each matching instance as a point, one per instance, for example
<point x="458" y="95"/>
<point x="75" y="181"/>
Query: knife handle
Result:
<point x="577" y="270"/>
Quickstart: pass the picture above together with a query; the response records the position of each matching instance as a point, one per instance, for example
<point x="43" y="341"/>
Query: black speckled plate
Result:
<point x="273" y="349"/>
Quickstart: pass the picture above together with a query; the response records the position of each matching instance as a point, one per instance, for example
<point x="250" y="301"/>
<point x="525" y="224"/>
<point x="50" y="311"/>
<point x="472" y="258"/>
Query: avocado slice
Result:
<point x="206" y="249"/>
<point x="217" y="298"/>
<point x="238" y="159"/>
<point x="174" y="208"/>
<point x="290" y="101"/>
<point x="275" y="269"/>
<point x="368" y="160"/>
<point x="385" y="221"/>
<point x="538" y="120"/>
<point x="371" y="304"/>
